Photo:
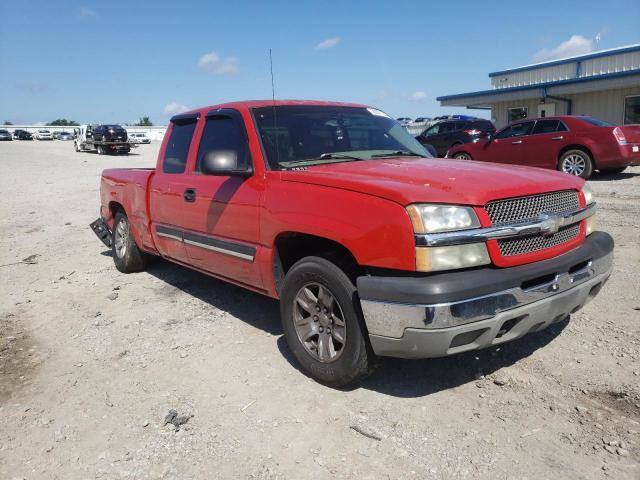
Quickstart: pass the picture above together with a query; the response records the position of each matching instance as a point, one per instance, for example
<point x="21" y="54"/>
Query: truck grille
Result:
<point x="522" y="209"/>
<point x="534" y="243"/>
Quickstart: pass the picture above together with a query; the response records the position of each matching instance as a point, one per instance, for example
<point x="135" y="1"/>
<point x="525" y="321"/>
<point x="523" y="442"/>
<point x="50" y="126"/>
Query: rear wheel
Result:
<point x="323" y="323"/>
<point x="576" y="162"/>
<point x="100" y="149"/>
<point x="462" y="156"/>
<point x="126" y="254"/>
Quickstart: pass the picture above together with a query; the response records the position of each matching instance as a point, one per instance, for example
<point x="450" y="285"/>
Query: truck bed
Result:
<point x="127" y="188"/>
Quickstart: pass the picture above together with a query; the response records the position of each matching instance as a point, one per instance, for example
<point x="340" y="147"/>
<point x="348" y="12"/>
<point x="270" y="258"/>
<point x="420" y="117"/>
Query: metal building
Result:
<point x="603" y="84"/>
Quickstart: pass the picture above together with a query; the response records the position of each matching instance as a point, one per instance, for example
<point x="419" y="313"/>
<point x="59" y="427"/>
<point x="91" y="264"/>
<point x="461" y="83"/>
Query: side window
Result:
<point x="545" y="126"/>
<point x="223" y="133"/>
<point x="516" y="130"/>
<point x="433" y="130"/>
<point x="459" y="125"/>
<point x="562" y="127"/>
<point x="175" y="156"/>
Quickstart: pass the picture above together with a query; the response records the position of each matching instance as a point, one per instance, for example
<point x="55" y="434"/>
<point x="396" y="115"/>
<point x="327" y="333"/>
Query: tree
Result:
<point x="144" y="122"/>
<point x="7" y="122"/>
<point x="62" y="122"/>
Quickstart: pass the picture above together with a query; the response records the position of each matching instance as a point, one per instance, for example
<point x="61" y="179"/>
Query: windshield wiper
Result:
<point x="399" y="153"/>
<point x="337" y="156"/>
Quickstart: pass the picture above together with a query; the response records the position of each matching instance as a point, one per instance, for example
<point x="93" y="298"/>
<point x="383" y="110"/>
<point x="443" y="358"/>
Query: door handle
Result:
<point x="557" y="138"/>
<point x="517" y="142"/>
<point x="189" y="195"/>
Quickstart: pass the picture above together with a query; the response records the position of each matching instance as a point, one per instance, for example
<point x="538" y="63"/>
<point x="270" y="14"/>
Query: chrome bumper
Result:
<point x="391" y="319"/>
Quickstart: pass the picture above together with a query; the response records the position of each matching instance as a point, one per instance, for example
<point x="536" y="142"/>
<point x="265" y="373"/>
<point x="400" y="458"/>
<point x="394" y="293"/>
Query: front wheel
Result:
<point x="126" y="254"/>
<point x="322" y="322"/>
<point x="576" y="162"/>
<point x="462" y="156"/>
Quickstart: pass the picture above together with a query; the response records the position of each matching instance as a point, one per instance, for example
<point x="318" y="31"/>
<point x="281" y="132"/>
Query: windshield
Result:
<point x="305" y="135"/>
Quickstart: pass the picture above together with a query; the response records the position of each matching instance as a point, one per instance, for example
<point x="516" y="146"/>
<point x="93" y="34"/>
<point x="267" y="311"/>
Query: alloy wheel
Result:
<point x="574" y="164"/>
<point x="121" y="239"/>
<point x="319" y="322"/>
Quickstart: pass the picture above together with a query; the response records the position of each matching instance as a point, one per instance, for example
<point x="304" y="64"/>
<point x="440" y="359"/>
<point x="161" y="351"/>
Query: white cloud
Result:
<point x="328" y="43"/>
<point x="576" y="45"/>
<point x="418" y="96"/>
<point x="86" y="12"/>
<point x="175" y="108"/>
<point x="213" y="63"/>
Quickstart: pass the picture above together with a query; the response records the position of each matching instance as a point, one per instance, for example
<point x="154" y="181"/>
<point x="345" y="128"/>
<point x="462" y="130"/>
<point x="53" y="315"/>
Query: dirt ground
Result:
<point x="92" y="360"/>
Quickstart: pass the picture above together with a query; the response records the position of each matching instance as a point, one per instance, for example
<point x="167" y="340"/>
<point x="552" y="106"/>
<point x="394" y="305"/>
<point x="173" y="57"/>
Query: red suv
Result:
<point x="577" y="145"/>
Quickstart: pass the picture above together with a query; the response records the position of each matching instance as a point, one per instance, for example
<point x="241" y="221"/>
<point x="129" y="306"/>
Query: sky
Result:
<point x="116" y="61"/>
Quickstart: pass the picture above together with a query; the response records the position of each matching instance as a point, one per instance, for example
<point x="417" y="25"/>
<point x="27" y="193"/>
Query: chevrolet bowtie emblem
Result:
<point x="549" y="224"/>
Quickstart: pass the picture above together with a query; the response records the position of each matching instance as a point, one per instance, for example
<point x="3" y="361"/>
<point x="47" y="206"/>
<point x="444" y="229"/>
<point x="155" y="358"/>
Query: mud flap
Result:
<point x="102" y="231"/>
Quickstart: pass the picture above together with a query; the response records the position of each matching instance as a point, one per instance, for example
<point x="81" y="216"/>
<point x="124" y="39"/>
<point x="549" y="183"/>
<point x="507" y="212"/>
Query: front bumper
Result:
<point x="449" y="313"/>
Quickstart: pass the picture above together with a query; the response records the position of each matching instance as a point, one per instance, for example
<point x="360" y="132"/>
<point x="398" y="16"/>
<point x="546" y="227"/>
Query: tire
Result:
<point x="576" y="162"/>
<point x="463" y="156"/>
<point x="319" y="292"/>
<point x="126" y="254"/>
<point x="100" y="150"/>
<point x="75" y="144"/>
<point x="613" y="170"/>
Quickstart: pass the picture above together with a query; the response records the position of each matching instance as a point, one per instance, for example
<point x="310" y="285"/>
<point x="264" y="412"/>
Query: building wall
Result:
<point x="605" y="104"/>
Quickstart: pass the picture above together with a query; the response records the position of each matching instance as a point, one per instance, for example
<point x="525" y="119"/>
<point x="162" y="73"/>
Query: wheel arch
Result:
<point x="576" y="146"/>
<point x="291" y="246"/>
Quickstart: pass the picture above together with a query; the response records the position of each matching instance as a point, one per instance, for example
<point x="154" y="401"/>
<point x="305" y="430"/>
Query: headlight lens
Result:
<point x="588" y="194"/>
<point x="431" y="259"/>
<point x="441" y="218"/>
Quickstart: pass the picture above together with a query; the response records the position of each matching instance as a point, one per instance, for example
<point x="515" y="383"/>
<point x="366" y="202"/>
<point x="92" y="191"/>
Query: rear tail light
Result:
<point x="617" y="132"/>
<point x="473" y="132"/>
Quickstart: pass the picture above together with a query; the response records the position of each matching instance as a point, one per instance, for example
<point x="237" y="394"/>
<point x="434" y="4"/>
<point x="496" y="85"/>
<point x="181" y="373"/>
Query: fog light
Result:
<point x="432" y="259"/>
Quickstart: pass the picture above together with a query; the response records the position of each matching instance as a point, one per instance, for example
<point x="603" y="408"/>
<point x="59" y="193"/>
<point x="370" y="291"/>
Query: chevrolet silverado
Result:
<point x="372" y="247"/>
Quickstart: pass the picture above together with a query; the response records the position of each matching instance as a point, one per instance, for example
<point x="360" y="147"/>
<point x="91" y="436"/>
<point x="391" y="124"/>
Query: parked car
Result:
<point x="64" y="136"/>
<point x="421" y="120"/>
<point x="372" y="247"/>
<point x="109" y="133"/>
<point x="44" y="135"/>
<point x="139" y="138"/>
<point x="20" y="134"/>
<point x="5" y="136"/>
<point x="577" y="145"/>
<point x="449" y="133"/>
<point x="404" y="121"/>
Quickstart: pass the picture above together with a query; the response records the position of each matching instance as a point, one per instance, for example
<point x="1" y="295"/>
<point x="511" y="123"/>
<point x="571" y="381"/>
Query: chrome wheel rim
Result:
<point x="462" y="156"/>
<point x="121" y="239"/>
<point x="319" y="322"/>
<point x="574" y="164"/>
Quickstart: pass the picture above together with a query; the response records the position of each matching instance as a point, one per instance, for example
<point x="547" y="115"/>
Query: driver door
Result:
<point x="509" y="144"/>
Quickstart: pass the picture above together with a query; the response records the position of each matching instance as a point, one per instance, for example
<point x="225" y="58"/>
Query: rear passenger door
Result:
<point x="168" y="186"/>
<point x="221" y="221"/>
<point x="548" y="137"/>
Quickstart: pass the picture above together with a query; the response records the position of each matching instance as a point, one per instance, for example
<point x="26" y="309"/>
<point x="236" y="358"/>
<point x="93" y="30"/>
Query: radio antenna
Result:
<point x="273" y="100"/>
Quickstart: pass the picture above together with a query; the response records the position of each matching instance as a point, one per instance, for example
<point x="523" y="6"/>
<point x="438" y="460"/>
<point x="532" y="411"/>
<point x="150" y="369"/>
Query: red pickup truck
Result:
<point x="372" y="247"/>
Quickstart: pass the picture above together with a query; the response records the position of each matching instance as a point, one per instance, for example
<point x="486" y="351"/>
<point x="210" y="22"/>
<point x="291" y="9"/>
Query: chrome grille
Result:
<point x="521" y="209"/>
<point x="534" y="243"/>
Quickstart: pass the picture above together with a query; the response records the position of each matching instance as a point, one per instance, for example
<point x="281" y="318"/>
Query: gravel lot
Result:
<point x="92" y="360"/>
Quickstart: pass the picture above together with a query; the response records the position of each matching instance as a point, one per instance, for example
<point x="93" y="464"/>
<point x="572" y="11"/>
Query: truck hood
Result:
<point x="409" y="180"/>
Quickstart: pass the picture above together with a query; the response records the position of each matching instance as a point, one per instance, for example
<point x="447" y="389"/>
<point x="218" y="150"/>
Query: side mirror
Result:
<point x="223" y="163"/>
<point x="429" y="148"/>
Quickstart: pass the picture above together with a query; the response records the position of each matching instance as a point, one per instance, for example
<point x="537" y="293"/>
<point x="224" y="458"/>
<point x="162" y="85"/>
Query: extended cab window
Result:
<point x="175" y="156"/>
<point x="224" y="133"/>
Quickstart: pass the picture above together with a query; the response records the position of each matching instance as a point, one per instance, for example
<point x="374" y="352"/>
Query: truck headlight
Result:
<point x="441" y="218"/>
<point x="588" y="194"/>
